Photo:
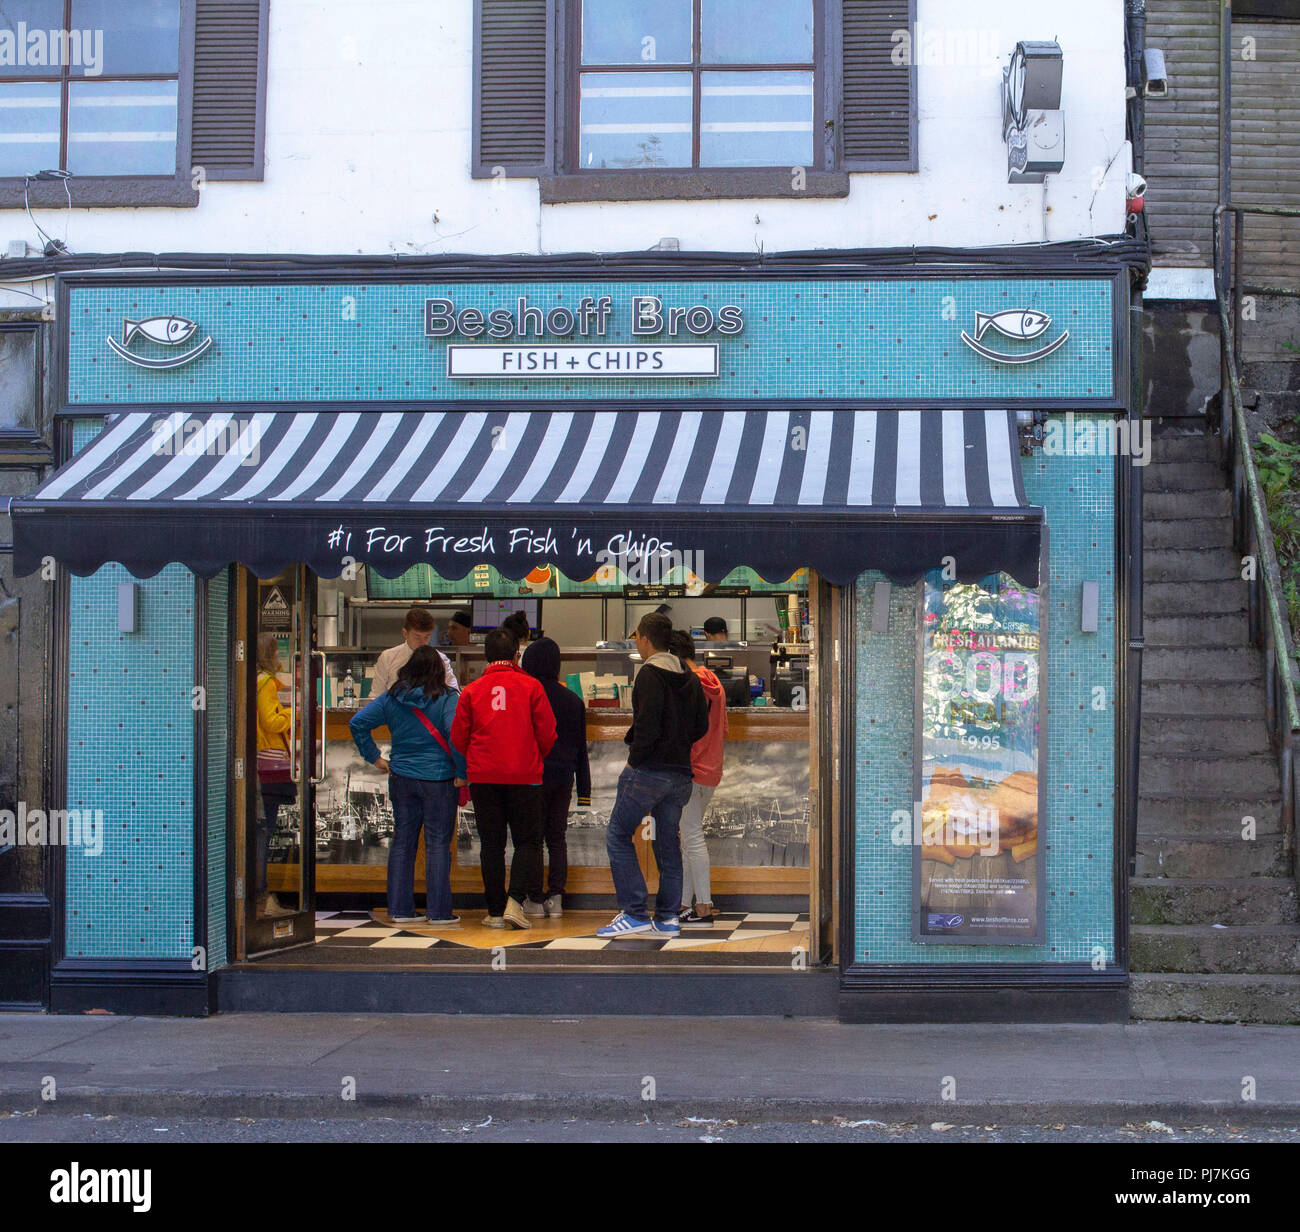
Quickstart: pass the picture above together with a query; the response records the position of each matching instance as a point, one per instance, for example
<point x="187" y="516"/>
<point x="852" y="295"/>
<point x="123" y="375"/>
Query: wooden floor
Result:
<point x="738" y="932"/>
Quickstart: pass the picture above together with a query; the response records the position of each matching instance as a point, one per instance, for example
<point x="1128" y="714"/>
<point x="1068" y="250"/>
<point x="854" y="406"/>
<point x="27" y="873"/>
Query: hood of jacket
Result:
<point x="542" y="659"/>
<point x="416" y="697"/>
<point x="709" y="682"/>
<point x="664" y="661"/>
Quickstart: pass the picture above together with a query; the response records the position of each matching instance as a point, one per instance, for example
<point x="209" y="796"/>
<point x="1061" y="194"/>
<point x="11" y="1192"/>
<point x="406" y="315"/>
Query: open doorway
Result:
<point x="326" y="826"/>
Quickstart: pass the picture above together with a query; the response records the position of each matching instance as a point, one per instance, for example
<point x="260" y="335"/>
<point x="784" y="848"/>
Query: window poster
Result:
<point x="977" y="858"/>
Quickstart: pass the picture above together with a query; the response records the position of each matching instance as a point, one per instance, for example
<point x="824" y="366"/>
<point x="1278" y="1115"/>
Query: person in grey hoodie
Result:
<point x="421" y="782"/>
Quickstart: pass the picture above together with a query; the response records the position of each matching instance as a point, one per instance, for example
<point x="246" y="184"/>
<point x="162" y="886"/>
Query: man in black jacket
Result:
<point x="669" y="714"/>
<point x="566" y="761"/>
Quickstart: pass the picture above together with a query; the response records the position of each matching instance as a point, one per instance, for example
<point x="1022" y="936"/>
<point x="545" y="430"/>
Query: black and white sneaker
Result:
<point x="689" y="919"/>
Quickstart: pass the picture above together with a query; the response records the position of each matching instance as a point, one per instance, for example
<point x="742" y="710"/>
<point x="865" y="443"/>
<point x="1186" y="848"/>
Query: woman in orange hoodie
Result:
<point x="273" y="774"/>
<point x="706" y="770"/>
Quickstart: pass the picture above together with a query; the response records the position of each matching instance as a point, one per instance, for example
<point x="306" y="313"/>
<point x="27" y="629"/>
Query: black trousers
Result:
<point x="556" y="798"/>
<point x="496" y="806"/>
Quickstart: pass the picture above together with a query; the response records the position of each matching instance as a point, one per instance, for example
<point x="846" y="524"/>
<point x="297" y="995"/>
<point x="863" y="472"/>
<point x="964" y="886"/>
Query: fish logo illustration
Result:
<point x="169" y="331"/>
<point x="1022" y="324"/>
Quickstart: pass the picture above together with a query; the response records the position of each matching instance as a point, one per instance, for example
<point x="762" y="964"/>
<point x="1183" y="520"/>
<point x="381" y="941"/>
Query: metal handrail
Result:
<point x="1269" y="628"/>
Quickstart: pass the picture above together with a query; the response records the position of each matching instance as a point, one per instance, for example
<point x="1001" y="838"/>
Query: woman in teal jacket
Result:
<point x="421" y="783"/>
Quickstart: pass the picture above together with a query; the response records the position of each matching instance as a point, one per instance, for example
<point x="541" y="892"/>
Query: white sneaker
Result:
<point x="452" y="921"/>
<point x="533" y="909"/>
<point x="554" y="906"/>
<point x="514" y="915"/>
<point x="494" y="921"/>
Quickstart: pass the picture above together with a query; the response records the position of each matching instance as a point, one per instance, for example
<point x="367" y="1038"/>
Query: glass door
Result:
<point x="288" y="752"/>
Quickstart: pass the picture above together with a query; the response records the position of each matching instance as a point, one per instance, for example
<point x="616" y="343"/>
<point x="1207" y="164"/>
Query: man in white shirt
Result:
<point x="416" y="631"/>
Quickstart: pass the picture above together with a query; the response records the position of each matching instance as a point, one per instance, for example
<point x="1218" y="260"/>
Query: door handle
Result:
<point x="324" y="713"/>
<point x="293" y="715"/>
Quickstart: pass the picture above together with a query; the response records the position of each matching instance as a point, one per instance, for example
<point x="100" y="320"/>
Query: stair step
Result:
<point x="1184" y="477"/>
<point x="1208" y="815"/>
<point x="1200" y="665"/>
<point x="1232" y="629"/>
<point x="1245" y="774"/>
<point x="1193" y="598"/>
<point x="1185" y="447"/>
<point x="1216" y="698"/>
<point x="1241" y="900"/>
<point x="1203" y="948"/>
<point x="1228" y="855"/>
<point x="1165" y="734"/>
<point x="1215" y="998"/>
<point x="1194" y="533"/>
<point x="1204" y="504"/>
<point x="1195" y="565"/>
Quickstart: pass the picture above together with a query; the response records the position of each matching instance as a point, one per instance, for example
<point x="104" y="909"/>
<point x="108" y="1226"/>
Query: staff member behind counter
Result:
<point x="417" y="628"/>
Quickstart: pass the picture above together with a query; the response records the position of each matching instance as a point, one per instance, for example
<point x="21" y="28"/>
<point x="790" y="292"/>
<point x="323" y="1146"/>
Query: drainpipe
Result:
<point x="1135" y="15"/>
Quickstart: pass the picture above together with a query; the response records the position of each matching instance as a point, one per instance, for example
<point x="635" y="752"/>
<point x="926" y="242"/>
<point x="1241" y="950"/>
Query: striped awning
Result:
<point x="841" y="491"/>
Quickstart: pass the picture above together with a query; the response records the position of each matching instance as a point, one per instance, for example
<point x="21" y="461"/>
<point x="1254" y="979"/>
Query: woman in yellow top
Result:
<point x="273" y="774"/>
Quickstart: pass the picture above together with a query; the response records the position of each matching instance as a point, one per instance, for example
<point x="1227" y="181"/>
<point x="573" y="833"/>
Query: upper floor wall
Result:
<point x="368" y="144"/>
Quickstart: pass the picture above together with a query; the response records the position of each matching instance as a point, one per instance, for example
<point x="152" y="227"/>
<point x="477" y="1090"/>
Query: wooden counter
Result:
<point x="745" y="723"/>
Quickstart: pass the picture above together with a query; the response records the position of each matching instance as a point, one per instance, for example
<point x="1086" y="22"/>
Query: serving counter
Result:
<point x="756" y="825"/>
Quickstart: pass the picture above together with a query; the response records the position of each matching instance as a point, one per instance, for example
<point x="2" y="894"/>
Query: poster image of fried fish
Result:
<point x="977" y="865"/>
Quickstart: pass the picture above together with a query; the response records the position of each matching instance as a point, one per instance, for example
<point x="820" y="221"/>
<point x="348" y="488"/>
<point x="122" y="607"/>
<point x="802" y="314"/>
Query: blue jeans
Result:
<point x="661" y="795"/>
<point x="428" y="804"/>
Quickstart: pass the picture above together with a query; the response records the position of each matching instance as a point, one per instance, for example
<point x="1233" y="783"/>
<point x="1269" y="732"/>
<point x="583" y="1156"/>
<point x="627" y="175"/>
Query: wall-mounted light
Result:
<point x="128" y="607"/>
<point x="1155" y="79"/>
<point x="1033" y="124"/>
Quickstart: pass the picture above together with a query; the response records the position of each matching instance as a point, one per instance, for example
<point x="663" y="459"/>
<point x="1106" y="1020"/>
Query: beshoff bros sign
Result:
<point x="649" y="318"/>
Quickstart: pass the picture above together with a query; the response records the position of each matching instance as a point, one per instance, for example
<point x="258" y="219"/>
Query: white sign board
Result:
<point x="532" y="362"/>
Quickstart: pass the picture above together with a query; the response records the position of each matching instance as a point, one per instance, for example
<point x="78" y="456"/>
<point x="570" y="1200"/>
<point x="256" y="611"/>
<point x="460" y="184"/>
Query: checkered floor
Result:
<point x="766" y="930"/>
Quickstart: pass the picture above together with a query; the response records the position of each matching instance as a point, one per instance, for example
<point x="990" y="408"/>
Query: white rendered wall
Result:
<point x="368" y="146"/>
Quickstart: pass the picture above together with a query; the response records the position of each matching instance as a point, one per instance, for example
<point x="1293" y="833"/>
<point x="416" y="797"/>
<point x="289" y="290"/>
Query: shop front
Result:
<point x="837" y="474"/>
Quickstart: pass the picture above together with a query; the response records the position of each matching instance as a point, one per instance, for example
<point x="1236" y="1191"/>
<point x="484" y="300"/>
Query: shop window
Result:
<point x="20" y="392"/>
<point x="128" y="102"/>
<point x="662" y="99"/>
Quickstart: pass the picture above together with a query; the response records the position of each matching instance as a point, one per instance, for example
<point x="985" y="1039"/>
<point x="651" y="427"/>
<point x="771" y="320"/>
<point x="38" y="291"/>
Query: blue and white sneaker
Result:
<point x="623" y="925"/>
<point x="666" y="928"/>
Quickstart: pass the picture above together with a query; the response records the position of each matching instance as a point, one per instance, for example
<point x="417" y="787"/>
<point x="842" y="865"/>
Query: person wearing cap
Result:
<point x="566" y="762"/>
<point x="459" y="628"/>
<point x="417" y="629"/>
<point x="715" y="629"/>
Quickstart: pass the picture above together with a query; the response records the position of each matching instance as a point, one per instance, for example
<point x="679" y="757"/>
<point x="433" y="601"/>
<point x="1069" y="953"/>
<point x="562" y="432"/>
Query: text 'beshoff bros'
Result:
<point x="647" y="318"/>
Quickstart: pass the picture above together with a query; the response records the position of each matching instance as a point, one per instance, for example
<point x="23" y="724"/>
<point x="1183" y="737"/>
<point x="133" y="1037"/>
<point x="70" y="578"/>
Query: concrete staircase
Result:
<point x="1215" y="931"/>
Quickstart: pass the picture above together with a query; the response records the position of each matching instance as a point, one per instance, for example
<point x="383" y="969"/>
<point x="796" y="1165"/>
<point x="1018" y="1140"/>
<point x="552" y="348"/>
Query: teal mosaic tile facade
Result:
<point x="844" y="338"/>
<point x="1078" y="494"/>
<point x="218" y="747"/>
<point x="131" y="754"/>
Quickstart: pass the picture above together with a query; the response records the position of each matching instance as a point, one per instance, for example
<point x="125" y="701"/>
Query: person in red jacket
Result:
<point x="706" y="771"/>
<point x="504" y="726"/>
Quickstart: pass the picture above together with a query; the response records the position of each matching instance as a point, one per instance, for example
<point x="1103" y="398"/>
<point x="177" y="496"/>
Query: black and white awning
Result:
<point x="841" y="491"/>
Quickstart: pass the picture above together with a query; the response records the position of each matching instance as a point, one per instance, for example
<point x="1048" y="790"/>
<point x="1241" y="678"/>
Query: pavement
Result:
<point x="748" y="1069"/>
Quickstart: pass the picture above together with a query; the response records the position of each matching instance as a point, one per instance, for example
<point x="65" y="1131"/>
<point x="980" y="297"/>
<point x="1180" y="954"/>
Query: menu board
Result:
<point x="977" y="851"/>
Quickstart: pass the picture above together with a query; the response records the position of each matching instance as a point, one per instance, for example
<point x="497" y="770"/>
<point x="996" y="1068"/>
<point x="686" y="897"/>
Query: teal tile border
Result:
<point x="815" y="338"/>
<point x="218" y="746"/>
<point x="1079" y="498"/>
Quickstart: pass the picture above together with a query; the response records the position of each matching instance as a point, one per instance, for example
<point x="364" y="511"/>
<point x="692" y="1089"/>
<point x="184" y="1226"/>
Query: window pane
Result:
<point x="29" y="127"/>
<point x="756" y="31"/>
<point x="756" y="119"/>
<point x="636" y="31"/>
<point x="30" y="56"/>
<point x="122" y="128"/>
<point x="635" y="120"/>
<point x="140" y="37"/>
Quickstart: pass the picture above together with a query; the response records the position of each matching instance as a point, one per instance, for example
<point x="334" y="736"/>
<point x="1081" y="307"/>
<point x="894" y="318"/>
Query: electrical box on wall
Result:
<point x="128" y="607"/>
<point x="1033" y="125"/>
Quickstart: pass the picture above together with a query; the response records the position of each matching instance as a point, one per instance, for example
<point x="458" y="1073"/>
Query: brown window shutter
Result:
<point x="229" y="88"/>
<point x="512" y="87"/>
<point x="878" y="110"/>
